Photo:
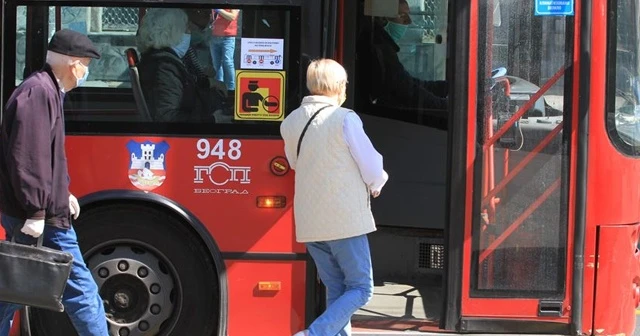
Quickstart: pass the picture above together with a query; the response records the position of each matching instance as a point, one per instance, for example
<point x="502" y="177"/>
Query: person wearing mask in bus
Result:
<point x="223" y="44"/>
<point x="34" y="181"/>
<point x="171" y="92"/>
<point x="388" y="82"/>
<point x="337" y="170"/>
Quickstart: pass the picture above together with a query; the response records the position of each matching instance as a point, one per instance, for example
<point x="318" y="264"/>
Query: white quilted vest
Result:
<point x="331" y="200"/>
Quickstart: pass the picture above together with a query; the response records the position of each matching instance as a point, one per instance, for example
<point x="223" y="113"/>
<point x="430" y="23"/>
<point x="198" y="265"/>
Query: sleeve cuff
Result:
<point x="380" y="182"/>
<point x="38" y="215"/>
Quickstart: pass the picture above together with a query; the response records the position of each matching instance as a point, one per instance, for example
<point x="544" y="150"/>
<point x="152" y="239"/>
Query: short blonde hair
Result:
<point x="161" y="28"/>
<point x="326" y="77"/>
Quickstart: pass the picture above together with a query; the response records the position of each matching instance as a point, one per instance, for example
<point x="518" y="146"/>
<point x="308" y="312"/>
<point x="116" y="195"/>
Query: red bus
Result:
<point x="512" y="210"/>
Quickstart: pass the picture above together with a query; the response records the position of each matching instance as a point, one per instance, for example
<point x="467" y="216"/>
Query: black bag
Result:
<point x="34" y="276"/>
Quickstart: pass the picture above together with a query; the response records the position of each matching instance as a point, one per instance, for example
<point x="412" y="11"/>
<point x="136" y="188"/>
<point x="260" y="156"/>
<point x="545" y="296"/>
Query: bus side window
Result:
<point x="193" y="95"/>
<point x="174" y="83"/>
<point x="401" y="61"/>
<point x="21" y="43"/>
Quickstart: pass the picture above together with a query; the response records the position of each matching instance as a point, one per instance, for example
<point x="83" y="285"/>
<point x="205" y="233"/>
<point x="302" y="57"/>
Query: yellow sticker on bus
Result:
<point x="259" y="95"/>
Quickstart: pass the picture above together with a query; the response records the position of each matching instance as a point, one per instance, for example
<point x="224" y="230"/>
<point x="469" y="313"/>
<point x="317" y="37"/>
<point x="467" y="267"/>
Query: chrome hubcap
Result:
<point x="137" y="288"/>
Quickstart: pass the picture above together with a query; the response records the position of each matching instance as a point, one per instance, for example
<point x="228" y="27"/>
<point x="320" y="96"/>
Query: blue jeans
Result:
<point x="222" y="56"/>
<point x="80" y="299"/>
<point x="344" y="266"/>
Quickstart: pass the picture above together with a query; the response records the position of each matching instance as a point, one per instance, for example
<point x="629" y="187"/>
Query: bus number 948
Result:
<point x="232" y="151"/>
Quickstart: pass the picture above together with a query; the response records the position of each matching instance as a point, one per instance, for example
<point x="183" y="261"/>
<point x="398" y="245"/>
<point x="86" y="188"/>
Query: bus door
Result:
<point x="509" y="215"/>
<point x="396" y="56"/>
<point x="466" y="102"/>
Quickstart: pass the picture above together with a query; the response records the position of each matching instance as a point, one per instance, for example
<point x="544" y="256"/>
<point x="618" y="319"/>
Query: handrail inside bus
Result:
<point x="522" y="164"/>
<point x="513" y="226"/>
<point x="524" y="108"/>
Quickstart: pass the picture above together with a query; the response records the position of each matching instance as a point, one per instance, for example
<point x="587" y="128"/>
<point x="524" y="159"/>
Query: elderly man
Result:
<point x="34" y="183"/>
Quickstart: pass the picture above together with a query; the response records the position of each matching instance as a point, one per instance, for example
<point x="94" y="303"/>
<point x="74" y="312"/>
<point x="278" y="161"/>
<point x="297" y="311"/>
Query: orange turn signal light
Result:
<point x="269" y="285"/>
<point x="271" y="201"/>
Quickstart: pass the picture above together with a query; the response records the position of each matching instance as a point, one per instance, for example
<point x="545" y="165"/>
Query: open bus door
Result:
<point x="474" y="224"/>
<point x="511" y="151"/>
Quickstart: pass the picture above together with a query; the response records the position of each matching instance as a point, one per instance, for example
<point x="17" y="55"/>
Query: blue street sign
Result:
<point x="554" y="7"/>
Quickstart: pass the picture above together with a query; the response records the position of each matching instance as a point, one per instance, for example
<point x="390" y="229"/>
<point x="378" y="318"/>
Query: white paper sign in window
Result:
<point x="260" y="53"/>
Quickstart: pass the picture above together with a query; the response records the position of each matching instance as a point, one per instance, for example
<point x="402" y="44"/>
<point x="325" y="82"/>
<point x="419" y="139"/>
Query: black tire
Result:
<point x="174" y="257"/>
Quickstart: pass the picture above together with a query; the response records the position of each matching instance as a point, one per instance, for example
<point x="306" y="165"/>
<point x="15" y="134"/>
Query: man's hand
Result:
<point x="33" y="227"/>
<point x="74" y="207"/>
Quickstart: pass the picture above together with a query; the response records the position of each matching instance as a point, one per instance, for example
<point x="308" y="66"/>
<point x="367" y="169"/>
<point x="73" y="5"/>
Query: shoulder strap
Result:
<point x="304" y="130"/>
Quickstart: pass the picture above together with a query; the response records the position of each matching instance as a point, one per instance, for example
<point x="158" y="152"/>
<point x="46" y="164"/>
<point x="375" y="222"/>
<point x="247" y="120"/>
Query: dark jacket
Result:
<point x="194" y="68"/>
<point x="386" y="80"/>
<point x="171" y="93"/>
<point x="34" y="181"/>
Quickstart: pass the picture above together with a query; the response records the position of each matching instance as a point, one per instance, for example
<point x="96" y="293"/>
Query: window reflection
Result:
<point x="401" y="61"/>
<point x="187" y="60"/>
<point x="520" y="232"/>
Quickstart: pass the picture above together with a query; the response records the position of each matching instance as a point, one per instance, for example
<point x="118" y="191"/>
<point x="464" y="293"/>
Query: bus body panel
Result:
<point x="609" y="169"/>
<point x="227" y="209"/>
<point x="253" y="310"/>
<point x="617" y="290"/>
<point x="223" y="198"/>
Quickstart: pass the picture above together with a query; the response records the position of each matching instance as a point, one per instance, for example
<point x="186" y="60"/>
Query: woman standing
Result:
<point x="337" y="169"/>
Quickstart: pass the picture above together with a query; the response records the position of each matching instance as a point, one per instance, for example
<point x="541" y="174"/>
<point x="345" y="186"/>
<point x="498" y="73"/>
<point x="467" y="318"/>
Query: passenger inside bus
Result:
<point x="387" y="82"/>
<point x="205" y="74"/>
<point x="171" y="92"/>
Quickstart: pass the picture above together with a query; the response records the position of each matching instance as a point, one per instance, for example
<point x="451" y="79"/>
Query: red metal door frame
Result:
<point x="510" y="308"/>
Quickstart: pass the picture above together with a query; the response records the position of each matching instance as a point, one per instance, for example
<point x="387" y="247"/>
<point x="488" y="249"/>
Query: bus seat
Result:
<point x="132" y="60"/>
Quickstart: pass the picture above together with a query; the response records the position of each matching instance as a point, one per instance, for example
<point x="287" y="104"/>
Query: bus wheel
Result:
<point x="155" y="276"/>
